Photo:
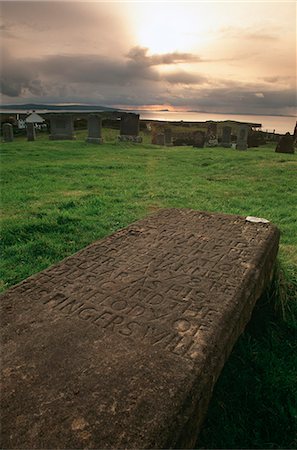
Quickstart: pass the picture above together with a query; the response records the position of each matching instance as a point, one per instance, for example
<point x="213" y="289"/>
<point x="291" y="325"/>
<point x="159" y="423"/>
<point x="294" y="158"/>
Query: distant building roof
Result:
<point x="34" y="118"/>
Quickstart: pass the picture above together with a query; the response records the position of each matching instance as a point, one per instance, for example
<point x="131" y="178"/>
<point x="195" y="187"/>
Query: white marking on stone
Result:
<point x="256" y="219"/>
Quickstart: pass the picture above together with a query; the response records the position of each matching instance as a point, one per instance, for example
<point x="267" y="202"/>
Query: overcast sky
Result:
<point x="215" y="56"/>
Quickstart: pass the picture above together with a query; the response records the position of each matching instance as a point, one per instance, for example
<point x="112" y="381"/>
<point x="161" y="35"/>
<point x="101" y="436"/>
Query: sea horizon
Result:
<point x="269" y="122"/>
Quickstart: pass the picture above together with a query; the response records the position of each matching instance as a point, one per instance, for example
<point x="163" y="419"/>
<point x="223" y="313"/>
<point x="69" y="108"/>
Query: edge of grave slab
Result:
<point x="71" y="381"/>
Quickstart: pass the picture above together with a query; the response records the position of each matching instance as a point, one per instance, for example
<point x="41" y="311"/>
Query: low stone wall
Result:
<point x="120" y="345"/>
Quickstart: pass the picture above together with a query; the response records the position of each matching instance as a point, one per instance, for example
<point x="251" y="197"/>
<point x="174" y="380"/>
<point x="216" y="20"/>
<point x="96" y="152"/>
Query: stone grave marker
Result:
<point x="226" y="137"/>
<point x="211" y="135"/>
<point x="295" y="133"/>
<point x="286" y="144"/>
<point x="242" y="136"/>
<point x="31" y="134"/>
<point x="94" y="129"/>
<point x="129" y="128"/>
<point x="168" y="136"/>
<point x="119" y="345"/>
<point x="7" y="132"/>
<point x="198" y="139"/>
<point x="160" y="139"/>
<point x="61" y="126"/>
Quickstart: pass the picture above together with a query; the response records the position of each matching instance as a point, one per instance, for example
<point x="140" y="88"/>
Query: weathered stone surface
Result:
<point x="128" y="138"/>
<point x="226" y="137"/>
<point x="31" y="135"/>
<point x="119" y="345"/>
<point x="211" y="135"/>
<point x="168" y="136"/>
<point x="94" y="129"/>
<point x="7" y="132"/>
<point x="130" y="124"/>
<point x="61" y="127"/>
<point x="242" y="137"/>
<point x="160" y="139"/>
<point x="198" y="139"/>
<point x="286" y="144"/>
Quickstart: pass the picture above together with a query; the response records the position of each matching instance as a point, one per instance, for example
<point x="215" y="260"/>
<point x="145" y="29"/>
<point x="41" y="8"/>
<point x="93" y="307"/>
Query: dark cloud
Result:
<point x="36" y="75"/>
<point x="139" y="55"/>
<point x="134" y="80"/>
<point x="183" y="77"/>
<point x="94" y="69"/>
<point x="239" y="98"/>
<point x="15" y="76"/>
<point x="272" y="79"/>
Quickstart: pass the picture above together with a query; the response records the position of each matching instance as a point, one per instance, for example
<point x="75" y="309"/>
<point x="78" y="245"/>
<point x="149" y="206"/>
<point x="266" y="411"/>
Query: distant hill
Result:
<point x="33" y="106"/>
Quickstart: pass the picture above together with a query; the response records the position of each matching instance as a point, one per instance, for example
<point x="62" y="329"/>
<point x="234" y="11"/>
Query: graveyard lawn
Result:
<point x="59" y="196"/>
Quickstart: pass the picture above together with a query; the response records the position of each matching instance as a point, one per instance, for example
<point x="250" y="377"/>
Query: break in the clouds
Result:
<point x="216" y="56"/>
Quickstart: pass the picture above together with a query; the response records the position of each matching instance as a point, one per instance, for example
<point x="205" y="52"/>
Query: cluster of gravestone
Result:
<point x="163" y="137"/>
<point x="62" y="128"/>
<point x="207" y="138"/>
<point x="242" y="137"/>
<point x="120" y="345"/>
<point x="201" y="138"/>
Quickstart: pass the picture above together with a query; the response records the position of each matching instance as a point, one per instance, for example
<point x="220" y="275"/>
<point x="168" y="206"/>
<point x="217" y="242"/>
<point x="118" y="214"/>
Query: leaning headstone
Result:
<point x="286" y="144"/>
<point x="7" y="132"/>
<point x="119" y="345"/>
<point x="129" y="128"/>
<point x="61" y="126"/>
<point x="242" y="137"/>
<point x="226" y="137"/>
<point x="31" y="135"/>
<point x="198" y="139"/>
<point x="94" y="129"/>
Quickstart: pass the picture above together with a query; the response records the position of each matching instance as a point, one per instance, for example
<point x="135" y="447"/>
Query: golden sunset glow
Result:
<point x="211" y="56"/>
<point x="165" y="29"/>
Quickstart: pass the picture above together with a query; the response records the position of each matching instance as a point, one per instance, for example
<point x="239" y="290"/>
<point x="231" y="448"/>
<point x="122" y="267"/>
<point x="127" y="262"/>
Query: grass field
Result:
<point x="58" y="196"/>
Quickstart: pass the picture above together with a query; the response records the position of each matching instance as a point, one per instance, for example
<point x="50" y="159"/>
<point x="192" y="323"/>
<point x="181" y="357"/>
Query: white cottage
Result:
<point x="36" y="119"/>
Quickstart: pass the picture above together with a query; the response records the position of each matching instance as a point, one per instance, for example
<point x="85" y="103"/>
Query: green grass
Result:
<point x="58" y="196"/>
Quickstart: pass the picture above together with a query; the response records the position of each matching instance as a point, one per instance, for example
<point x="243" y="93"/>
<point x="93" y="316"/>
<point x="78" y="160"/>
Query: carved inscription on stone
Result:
<point x="157" y="284"/>
<point x="120" y="345"/>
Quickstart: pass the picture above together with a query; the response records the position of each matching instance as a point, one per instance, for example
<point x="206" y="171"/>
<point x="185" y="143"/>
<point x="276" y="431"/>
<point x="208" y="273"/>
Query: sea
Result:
<point x="277" y="124"/>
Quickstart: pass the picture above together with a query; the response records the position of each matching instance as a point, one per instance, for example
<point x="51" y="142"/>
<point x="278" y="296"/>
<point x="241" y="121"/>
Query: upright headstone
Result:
<point x="61" y="127"/>
<point x="94" y="129"/>
<point x="168" y="136"/>
<point x="119" y="346"/>
<point x="211" y="135"/>
<point x="129" y="128"/>
<point x="286" y="144"/>
<point x="226" y="137"/>
<point x="198" y="139"/>
<point x="7" y="132"/>
<point x="242" y="136"/>
<point x="31" y="135"/>
<point x="160" y="139"/>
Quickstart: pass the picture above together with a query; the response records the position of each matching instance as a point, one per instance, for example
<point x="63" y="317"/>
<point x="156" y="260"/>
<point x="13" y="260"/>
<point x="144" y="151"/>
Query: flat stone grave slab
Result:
<point x="119" y="345"/>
